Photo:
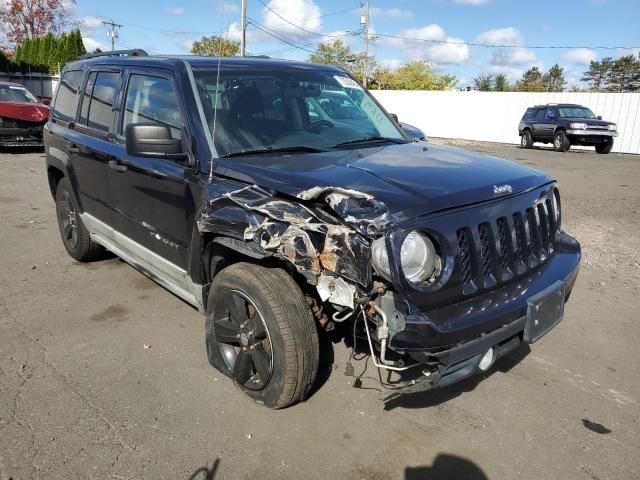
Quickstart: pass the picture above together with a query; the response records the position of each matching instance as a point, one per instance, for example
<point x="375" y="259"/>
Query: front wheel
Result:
<point x="604" y="148"/>
<point x="260" y="332"/>
<point x="560" y="142"/>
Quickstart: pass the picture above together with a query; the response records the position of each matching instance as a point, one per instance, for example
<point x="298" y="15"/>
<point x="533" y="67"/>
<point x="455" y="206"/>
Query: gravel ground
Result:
<point x="81" y="398"/>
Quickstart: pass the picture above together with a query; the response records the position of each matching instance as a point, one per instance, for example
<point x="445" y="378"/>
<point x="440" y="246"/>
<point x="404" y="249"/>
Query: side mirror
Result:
<point x="599" y="117"/>
<point x="152" y="140"/>
<point x="45" y="101"/>
<point x="395" y="117"/>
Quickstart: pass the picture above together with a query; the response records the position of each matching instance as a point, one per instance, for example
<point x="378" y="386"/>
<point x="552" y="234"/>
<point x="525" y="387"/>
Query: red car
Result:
<point x="22" y="116"/>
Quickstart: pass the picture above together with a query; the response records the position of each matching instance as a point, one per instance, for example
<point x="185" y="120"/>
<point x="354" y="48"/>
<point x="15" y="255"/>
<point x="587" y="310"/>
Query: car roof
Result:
<point x="174" y="61"/>
<point x="560" y="105"/>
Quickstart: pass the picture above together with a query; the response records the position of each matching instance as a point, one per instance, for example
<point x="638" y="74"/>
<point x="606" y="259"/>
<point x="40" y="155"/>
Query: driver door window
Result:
<point x="152" y="100"/>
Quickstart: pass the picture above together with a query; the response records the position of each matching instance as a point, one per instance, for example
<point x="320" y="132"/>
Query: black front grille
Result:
<point x="508" y="246"/>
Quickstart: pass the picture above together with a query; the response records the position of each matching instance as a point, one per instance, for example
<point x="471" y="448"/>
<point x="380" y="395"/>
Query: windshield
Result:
<point x="258" y="110"/>
<point x="576" y="112"/>
<point x="13" y="93"/>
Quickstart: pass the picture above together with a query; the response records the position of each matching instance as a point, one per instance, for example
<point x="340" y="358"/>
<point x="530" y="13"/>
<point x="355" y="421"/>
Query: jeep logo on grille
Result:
<point x="502" y="189"/>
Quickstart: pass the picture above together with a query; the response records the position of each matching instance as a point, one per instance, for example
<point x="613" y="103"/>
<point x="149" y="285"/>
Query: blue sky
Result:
<point x="165" y="26"/>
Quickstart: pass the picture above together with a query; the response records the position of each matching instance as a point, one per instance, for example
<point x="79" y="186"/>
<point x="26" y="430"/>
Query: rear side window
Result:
<point x="152" y="100"/>
<point x="540" y="113"/>
<point x="97" y="102"/>
<point x="64" y="106"/>
<point x="528" y="115"/>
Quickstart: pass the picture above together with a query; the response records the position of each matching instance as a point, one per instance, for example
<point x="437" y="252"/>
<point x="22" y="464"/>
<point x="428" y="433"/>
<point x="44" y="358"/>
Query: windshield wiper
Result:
<point x="356" y="141"/>
<point x="258" y="151"/>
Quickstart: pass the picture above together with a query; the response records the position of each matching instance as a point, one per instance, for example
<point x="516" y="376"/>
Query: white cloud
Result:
<point x="91" y="44"/>
<point x="442" y="49"/>
<point x="580" y="56"/>
<point x="186" y="45"/>
<point x="472" y="2"/>
<point x="390" y="63"/>
<point x="390" y="12"/>
<point x="513" y="74"/>
<point x="500" y="36"/>
<point x="89" y="23"/>
<point x="512" y="56"/>
<point x="68" y="5"/>
<point x="225" y="7"/>
<point x="622" y="52"/>
<point x="298" y="13"/>
<point x="175" y="11"/>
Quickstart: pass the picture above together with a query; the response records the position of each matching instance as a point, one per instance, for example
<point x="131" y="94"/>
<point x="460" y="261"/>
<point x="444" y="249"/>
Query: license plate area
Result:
<point x="544" y="311"/>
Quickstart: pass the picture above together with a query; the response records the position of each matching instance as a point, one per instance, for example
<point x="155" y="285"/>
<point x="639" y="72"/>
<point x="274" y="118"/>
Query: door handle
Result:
<point x="113" y="165"/>
<point x="72" y="149"/>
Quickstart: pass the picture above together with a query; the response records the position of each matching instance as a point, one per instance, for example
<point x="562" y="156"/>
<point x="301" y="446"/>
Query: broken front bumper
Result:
<point x="21" y="137"/>
<point x="451" y="341"/>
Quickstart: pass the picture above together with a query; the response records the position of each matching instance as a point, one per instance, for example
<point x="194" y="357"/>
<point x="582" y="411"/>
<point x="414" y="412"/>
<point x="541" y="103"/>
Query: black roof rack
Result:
<point x="136" y="52"/>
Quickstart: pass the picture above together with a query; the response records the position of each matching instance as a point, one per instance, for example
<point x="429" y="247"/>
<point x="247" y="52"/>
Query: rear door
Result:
<point x="150" y="195"/>
<point x="92" y="144"/>
<point x="539" y="124"/>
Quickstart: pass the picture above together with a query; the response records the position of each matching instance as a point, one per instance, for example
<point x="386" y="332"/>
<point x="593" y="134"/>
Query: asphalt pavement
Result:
<point x="81" y="396"/>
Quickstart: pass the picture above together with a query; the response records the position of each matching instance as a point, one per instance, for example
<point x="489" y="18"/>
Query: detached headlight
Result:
<point x="418" y="257"/>
<point x="612" y="127"/>
<point x="578" y="126"/>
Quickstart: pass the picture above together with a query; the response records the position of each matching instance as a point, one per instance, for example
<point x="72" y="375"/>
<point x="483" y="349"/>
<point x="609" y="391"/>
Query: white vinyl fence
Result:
<point x="494" y="116"/>
<point x="41" y="84"/>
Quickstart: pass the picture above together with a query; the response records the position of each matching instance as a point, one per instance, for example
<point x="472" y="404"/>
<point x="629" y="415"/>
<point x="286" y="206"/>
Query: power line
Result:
<point x="297" y="26"/>
<point x="289" y="42"/>
<point x="490" y="45"/>
<point x="312" y="45"/>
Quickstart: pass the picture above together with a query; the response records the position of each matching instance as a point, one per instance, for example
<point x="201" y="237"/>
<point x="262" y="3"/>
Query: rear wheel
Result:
<point x="526" y="141"/>
<point x="560" y="142"/>
<point x="260" y="332"/>
<point x="75" y="236"/>
<point x="604" y="148"/>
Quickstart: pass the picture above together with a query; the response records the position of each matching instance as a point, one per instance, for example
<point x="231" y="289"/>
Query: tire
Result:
<point x="75" y="236"/>
<point x="604" y="148"/>
<point x="526" y="141"/>
<point x="560" y="142"/>
<point x="258" y="316"/>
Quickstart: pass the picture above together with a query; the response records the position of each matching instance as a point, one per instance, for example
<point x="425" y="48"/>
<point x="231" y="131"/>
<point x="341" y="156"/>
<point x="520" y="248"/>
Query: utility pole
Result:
<point x="243" y="37"/>
<point x="365" y="21"/>
<point x="112" y="32"/>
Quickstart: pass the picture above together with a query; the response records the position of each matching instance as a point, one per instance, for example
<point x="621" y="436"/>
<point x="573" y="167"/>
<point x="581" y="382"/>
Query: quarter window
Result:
<point x="64" y="106"/>
<point x="152" y="100"/>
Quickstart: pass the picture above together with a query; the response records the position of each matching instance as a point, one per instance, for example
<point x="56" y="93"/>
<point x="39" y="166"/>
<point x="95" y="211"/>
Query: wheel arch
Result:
<point x="54" y="175"/>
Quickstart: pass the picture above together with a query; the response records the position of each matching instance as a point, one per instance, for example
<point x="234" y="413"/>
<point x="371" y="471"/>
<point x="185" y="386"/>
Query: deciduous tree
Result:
<point x="21" y="19"/>
<point x="215" y="46"/>
<point x="483" y="82"/>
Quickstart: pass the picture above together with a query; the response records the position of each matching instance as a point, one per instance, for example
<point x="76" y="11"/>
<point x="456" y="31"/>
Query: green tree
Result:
<point x="532" y="81"/>
<point x="448" y="81"/>
<point x="60" y="58"/>
<point x="625" y="75"/>
<point x="17" y="57"/>
<point x="554" y="79"/>
<point x="598" y="74"/>
<point x="215" y="46"/>
<point x="483" y="82"/>
<point x="417" y="75"/>
<point x="501" y="84"/>
<point x="338" y="54"/>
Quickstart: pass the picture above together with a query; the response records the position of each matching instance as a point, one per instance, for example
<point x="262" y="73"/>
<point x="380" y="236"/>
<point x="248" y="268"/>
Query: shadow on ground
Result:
<point x="446" y="467"/>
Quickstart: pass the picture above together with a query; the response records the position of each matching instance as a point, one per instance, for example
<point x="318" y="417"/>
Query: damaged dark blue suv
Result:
<point x="216" y="179"/>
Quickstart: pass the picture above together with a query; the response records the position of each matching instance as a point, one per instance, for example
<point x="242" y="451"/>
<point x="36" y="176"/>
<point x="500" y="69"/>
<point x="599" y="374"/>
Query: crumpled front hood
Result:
<point x="410" y="179"/>
<point x="29" y="112"/>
